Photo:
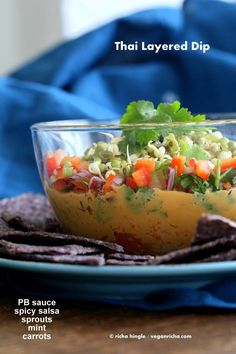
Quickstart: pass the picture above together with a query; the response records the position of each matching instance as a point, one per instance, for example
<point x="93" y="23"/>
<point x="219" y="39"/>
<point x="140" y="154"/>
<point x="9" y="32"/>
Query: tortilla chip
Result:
<point x="222" y="256"/>
<point x="12" y="248"/>
<point x="124" y="262"/>
<point x="127" y="259"/>
<point x="212" y="227"/>
<point x="3" y="225"/>
<point x="3" y="203"/>
<point x="41" y="238"/>
<point x="97" y="260"/>
<point x="50" y="247"/>
<point x="29" y="212"/>
<point x="197" y="253"/>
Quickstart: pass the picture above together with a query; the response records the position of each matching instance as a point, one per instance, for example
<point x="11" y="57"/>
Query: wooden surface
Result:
<point x="85" y="328"/>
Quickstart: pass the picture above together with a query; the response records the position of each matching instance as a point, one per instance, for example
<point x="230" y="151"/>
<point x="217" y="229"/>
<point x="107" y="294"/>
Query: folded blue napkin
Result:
<point x="88" y="78"/>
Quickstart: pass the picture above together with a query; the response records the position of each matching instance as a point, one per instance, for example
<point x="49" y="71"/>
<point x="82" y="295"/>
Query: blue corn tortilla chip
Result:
<point x="28" y="212"/>
<point x="96" y="259"/>
<point x="127" y="259"/>
<point x="3" y="225"/>
<point x="197" y="253"/>
<point x="212" y="227"/>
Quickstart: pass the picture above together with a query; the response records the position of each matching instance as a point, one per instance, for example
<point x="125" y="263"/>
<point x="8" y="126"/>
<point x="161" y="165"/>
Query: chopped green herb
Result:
<point x="194" y="183"/>
<point x="146" y="193"/>
<point x="145" y="112"/>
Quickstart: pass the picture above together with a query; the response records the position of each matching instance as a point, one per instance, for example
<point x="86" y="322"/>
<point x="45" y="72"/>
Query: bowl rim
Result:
<point x="62" y="125"/>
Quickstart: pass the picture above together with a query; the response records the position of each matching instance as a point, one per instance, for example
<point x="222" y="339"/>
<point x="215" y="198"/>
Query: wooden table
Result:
<point x="85" y="328"/>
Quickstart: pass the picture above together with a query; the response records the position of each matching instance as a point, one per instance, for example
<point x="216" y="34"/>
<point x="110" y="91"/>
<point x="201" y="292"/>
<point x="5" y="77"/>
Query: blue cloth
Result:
<point x="87" y="78"/>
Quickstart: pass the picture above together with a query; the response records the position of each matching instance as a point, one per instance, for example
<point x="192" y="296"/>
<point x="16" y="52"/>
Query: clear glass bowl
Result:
<point x="151" y="219"/>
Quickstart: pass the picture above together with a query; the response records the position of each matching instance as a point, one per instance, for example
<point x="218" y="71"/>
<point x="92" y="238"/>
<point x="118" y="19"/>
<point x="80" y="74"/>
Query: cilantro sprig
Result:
<point x="192" y="183"/>
<point x="145" y="112"/>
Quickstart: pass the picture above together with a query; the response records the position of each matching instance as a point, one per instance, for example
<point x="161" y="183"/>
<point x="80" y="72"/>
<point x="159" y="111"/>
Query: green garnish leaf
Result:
<point x="178" y="114"/>
<point x="229" y="176"/>
<point x="145" y="112"/>
<point x="186" y="181"/>
<point x="234" y="180"/>
<point x="195" y="184"/>
<point x="168" y="108"/>
<point x="138" y="112"/>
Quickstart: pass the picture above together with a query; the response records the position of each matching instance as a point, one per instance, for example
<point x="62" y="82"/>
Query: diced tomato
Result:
<point x="131" y="183"/>
<point x="192" y="163"/>
<point x="107" y="186"/>
<point x="81" y="186"/>
<point x="203" y="169"/>
<point x="229" y="163"/>
<point x="148" y="164"/>
<point x="60" y="185"/>
<point x="51" y="165"/>
<point x="142" y="177"/>
<point x="178" y="163"/>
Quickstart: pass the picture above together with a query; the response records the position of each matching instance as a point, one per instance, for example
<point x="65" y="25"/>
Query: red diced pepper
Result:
<point x="131" y="183"/>
<point x="51" y="165"/>
<point x="192" y="163"/>
<point x="142" y="177"/>
<point x="229" y="163"/>
<point x="178" y="163"/>
<point x="203" y="169"/>
<point x="108" y="184"/>
<point x="148" y="164"/>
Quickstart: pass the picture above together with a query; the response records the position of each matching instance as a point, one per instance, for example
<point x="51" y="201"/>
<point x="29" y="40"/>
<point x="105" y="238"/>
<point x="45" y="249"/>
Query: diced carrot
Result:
<point x="229" y="163"/>
<point x="142" y="177"/>
<point x="148" y="164"/>
<point x="83" y="165"/>
<point x="76" y="162"/>
<point x="108" y="183"/>
<point x="178" y="163"/>
<point x="131" y="183"/>
<point x="203" y="169"/>
<point x="59" y="173"/>
<point x="51" y="165"/>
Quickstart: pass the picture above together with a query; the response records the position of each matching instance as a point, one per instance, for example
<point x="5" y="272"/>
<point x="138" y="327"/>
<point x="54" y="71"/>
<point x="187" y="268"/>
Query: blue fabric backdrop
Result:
<point x="86" y="77"/>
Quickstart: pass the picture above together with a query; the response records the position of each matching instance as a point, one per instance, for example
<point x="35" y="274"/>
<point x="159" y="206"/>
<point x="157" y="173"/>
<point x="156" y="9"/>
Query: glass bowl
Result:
<point x="103" y="183"/>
